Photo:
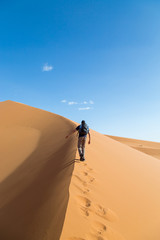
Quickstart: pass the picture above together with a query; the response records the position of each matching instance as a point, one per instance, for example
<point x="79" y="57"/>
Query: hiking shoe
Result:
<point x="82" y="159"/>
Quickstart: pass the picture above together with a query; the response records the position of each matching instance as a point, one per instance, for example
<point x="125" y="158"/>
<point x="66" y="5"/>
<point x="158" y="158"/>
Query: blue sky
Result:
<point x="105" y="53"/>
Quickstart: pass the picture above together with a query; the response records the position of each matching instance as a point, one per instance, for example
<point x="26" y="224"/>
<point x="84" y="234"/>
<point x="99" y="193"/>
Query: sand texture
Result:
<point x="148" y="147"/>
<point x="46" y="193"/>
<point x="35" y="169"/>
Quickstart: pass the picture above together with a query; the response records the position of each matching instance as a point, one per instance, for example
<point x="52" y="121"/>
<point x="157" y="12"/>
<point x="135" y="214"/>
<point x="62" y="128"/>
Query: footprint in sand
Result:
<point x="85" y="173"/>
<point x="105" y="213"/>
<point x="90" y="178"/>
<point x="84" y="191"/>
<point x="86" y="211"/>
<point x="84" y="201"/>
<point x="80" y="180"/>
<point x="92" y="236"/>
<point x="101" y="231"/>
<point x="87" y="168"/>
<point x="99" y="227"/>
<point x="85" y="205"/>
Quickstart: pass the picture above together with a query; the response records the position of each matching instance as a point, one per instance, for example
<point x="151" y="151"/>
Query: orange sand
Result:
<point x="148" y="147"/>
<point x="45" y="194"/>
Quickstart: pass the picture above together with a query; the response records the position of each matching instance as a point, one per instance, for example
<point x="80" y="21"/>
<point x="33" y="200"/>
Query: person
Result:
<point x="83" y="130"/>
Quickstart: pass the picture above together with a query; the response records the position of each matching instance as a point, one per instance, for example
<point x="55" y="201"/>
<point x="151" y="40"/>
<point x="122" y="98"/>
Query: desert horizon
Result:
<point x="80" y="135"/>
<point x="48" y="194"/>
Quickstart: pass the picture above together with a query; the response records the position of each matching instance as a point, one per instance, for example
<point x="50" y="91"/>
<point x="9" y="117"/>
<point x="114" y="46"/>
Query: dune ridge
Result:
<point x="48" y="194"/>
<point x="148" y="147"/>
<point x="114" y="195"/>
<point x="34" y="192"/>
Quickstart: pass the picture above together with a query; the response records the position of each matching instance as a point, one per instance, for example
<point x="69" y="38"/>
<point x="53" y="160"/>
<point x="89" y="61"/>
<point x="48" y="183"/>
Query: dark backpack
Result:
<point x="83" y="129"/>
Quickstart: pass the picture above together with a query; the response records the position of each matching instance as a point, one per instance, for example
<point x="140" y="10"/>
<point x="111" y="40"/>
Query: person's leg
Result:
<point x="83" y="146"/>
<point x="80" y="146"/>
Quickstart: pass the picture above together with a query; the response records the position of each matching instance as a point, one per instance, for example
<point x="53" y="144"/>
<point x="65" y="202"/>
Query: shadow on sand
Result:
<point x="34" y="198"/>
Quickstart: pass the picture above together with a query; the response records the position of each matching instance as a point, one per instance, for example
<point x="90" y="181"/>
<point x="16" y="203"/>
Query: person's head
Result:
<point x="83" y="122"/>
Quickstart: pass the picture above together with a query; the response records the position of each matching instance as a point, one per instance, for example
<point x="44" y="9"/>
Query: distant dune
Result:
<point x="148" y="147"/>
<point x="46" y="193"/>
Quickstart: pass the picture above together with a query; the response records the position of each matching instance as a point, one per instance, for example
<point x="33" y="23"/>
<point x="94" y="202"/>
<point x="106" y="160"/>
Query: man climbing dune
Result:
<point x="83" y="130"/>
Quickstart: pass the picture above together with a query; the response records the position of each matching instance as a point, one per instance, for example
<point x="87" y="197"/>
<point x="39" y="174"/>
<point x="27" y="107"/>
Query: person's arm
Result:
<point x="75" y="130"/>
<point x="89" y="138"/>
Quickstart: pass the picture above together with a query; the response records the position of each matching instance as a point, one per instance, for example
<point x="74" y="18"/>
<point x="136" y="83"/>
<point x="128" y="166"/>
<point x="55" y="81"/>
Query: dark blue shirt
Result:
<point x="81" y="135"/>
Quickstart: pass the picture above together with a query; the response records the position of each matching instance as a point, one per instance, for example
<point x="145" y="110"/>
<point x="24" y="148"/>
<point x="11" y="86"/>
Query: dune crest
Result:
<point x="46" y="193"/>
<point x="148" y="147"/>
<point x="37" y="169"/>
<point x="114" y="195"/>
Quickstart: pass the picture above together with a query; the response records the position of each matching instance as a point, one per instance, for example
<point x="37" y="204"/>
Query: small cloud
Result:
<point x="86" y="108"/>
<point x="64" y="101"/>
<point x="91" y="102"/>
<point x="84" y="102"/>
<point x="47" y="68"/>
<point x="72" y="103"/>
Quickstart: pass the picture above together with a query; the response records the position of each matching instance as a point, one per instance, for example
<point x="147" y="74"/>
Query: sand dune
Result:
<point x="35" y="168"/>
<point x="114" y="195"/>
<point x="148" y="147"/>
<point x="46" y="194"/>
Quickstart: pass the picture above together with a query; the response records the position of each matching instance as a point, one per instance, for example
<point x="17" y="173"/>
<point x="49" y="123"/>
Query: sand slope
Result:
<point x="148" y="147"/>
<point x="45" y="194"/>
<point x="114" y="195"/>
<point x="35" y="168"/>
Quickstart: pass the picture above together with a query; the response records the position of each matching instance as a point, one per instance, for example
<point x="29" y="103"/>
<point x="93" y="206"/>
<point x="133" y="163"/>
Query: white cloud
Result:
<point x="47" y="68"/>
<point x="72" y="103"/>
<point x="82" y="103"/>
<point x="85" y="102"/>
<point x="86" y="108"/>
